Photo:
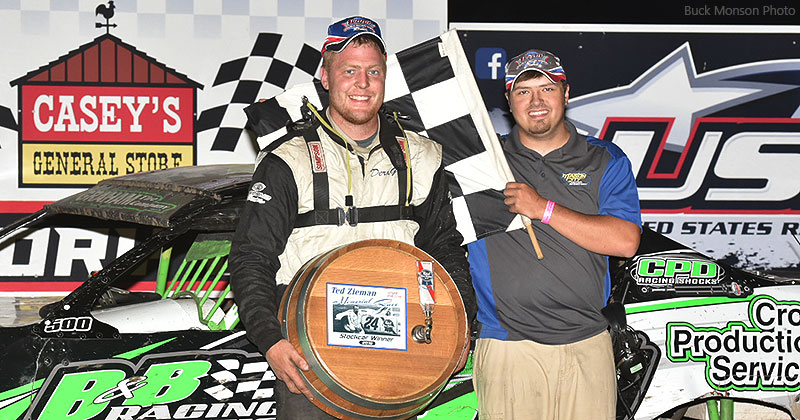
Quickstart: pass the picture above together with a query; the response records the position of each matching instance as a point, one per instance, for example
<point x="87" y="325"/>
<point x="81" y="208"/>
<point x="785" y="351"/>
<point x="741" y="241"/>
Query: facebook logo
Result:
<point x="490" y="63"/>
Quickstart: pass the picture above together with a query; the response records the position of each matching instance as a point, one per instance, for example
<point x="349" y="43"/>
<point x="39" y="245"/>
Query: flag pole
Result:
<point x="534" y="241"/>
<point x="459" y="60"/>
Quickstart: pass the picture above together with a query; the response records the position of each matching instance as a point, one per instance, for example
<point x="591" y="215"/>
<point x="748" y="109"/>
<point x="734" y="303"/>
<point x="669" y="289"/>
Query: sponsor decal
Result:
<point x="121" y="199"/>
<point x="359" y="24"/>
<point x="659" y="271"/>
<point x="214" y="385"/>
<point x="678" y="273"/>
<point x="70" y="164"/>
<point x="762" y="356"/>
<point x="533" y="58"/>
<point x="403" y="145"/>
<point x="366" y="316"/>
<point x="574" y="179"/>
<point x="317" y="157"/>
<point x="257" y="194"/>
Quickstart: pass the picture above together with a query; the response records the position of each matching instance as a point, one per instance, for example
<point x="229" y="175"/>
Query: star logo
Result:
<point x="672" y="88"/>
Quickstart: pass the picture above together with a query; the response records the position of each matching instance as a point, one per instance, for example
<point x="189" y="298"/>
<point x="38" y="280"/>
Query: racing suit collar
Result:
<point x="388" y="135"/>
<point x="362" y="151"/>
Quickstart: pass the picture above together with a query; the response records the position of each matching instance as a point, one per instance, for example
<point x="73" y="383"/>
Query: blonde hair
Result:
<point x="361" y="40"/>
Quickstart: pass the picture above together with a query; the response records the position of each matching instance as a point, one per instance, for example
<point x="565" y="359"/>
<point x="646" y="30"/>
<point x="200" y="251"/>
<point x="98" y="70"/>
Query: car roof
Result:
<point x="155" y="198"/>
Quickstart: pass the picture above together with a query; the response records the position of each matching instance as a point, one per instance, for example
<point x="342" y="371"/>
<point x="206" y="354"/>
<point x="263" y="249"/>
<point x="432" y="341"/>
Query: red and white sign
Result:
<point x="107" y="114"/>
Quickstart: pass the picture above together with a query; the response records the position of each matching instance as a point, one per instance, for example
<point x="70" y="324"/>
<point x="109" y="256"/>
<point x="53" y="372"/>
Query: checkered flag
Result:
<point x="433" y="85"/>
<point x="274" y="63"/>
<point x="253" y="380"/>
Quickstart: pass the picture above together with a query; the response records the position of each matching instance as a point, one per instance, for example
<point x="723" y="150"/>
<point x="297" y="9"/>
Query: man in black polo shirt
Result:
<point x="544" y="351"/>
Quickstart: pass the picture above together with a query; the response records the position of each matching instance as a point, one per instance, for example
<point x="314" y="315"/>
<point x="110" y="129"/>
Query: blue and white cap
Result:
<point x="342" y="32"/>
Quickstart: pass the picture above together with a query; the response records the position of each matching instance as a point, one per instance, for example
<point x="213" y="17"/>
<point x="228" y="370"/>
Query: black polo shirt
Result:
<point x="556" y="300"/>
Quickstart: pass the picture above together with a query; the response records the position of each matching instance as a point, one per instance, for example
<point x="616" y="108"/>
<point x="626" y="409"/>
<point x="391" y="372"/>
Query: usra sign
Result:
<point x="762" y="356"/>
<point x="732" y="149"/>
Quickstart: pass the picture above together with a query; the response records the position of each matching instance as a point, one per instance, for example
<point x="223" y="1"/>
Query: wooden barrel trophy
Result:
<point x="355" y="314"/>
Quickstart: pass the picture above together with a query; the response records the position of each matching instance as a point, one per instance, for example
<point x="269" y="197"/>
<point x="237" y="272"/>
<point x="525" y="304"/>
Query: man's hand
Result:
<point x="523" y="199"/>
<point x="285" y="360"/>
<point x="603" y="234"/>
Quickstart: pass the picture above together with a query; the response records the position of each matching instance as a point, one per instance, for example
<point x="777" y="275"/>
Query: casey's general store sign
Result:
<point x="103" y="110"/>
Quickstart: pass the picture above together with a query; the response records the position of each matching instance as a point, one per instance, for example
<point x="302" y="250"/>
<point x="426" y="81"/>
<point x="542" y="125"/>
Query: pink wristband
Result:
<point x="548" y="211"/>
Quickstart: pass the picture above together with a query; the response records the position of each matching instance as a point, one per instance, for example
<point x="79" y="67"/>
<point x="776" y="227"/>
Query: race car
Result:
<point x="690" y="331"/>
<point x="111" y="350"/>
<point x="155" y="333"/>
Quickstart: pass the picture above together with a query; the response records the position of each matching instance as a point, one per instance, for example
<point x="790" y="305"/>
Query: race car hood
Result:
<point x="154" y="198"/>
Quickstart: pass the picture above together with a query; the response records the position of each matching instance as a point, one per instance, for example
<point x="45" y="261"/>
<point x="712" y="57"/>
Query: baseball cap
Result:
<point x="542" y="61"/>
<point x="342" y="32"/>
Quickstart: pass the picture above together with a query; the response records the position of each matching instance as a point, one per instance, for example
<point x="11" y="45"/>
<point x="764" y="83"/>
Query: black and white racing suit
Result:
<point x="279" y="230"/>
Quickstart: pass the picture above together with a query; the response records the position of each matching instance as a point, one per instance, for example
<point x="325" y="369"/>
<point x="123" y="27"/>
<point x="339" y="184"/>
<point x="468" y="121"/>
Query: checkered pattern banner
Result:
<point x="237" y="378"/>
<point x="274" y="63"/>
<point x="432" y="84"/>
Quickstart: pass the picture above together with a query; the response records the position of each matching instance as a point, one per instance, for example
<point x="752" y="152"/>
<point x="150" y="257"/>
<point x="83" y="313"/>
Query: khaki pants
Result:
<point x="529" y="381"/>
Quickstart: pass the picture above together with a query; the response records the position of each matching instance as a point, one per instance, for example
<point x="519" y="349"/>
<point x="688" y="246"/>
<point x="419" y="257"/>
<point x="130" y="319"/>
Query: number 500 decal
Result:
<point x="81" y="323"/>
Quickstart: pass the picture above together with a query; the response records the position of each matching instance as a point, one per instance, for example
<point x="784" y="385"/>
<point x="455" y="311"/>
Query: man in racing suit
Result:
<point x="348" y="175"/>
